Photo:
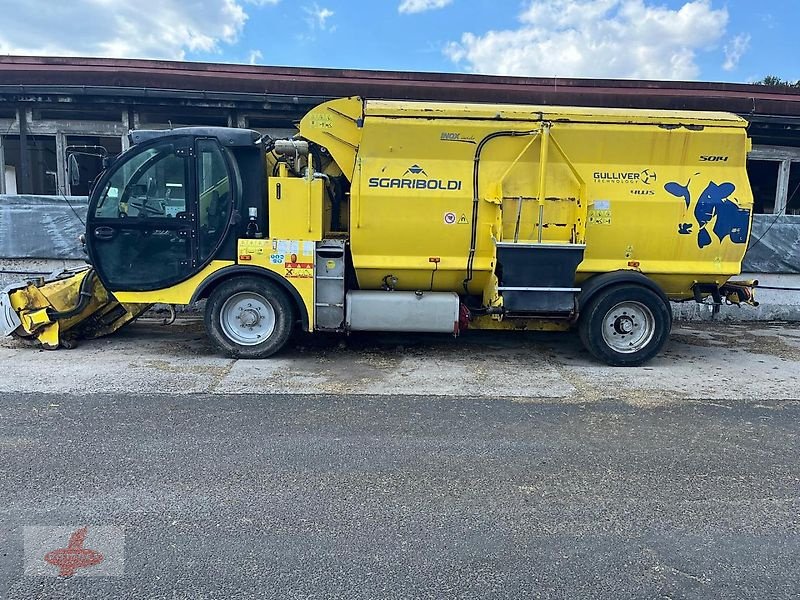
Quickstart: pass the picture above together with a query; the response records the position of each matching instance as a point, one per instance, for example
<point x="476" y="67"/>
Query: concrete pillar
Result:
<point x="2" y="168"/>
<point x="25" y="180"/>
<point x="127" y="124"/>
<point x="61" y="164"/>
<point x="782" y="191"/>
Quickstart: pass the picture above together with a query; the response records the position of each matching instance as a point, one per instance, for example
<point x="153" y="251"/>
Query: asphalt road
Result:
<point x="388" y="497"/>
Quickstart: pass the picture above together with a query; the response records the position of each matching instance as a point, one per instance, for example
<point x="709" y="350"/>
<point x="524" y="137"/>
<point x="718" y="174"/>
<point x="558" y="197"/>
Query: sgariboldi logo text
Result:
<point x="415" y="178"/>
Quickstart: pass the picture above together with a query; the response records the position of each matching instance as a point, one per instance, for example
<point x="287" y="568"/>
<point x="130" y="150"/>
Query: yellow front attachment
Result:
<point x="69" y="307"/>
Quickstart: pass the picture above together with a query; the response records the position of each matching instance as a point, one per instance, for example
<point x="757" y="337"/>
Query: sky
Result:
<point x="711" y="40"/>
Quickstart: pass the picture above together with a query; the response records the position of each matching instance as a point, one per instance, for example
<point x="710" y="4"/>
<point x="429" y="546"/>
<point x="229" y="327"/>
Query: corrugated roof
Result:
<point x="145" y="76"/>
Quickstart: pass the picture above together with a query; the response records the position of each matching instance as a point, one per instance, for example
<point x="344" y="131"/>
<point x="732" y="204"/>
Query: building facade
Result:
<point x="48" y="105"/>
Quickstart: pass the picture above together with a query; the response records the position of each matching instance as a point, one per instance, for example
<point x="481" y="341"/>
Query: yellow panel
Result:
<point x="295" y="208"/>
<point x="514" y="112"/>
<point x="487" y="322"/>
<point x="177" y="294"/>
<point x="651" y="191"/>
<point x="291" y="259"/>
<point x="404" y="231"/>
<point x="673" y="202"/>
<point x="336" y="125"/>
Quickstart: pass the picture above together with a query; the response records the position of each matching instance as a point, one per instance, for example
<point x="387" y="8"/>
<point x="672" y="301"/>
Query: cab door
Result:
<point x="160" y="214"/>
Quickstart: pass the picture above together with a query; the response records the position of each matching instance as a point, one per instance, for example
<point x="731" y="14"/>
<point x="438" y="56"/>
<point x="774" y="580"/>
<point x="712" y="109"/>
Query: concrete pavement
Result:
<point x="716" y="361"/>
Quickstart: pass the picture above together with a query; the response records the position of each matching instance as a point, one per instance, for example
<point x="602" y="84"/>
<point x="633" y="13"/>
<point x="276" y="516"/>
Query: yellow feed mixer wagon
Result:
<point x="414" y="216"/>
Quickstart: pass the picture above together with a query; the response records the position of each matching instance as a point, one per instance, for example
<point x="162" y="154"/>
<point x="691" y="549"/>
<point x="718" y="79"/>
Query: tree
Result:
<point x="773" y="81"/>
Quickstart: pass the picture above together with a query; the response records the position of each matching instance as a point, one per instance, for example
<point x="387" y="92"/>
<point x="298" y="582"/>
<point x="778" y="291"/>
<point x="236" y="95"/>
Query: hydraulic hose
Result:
<point x="84" y="295"/>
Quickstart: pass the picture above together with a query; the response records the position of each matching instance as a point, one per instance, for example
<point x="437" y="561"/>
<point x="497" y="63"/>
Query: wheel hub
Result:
<point x="247" y="318"/>
<point x="624" y="324"/>
<point x="628" y="327"/>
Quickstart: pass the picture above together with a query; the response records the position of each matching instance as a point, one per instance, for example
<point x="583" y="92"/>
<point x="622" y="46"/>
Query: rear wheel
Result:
<point x="626" y="325"/>
<point x="249" y="317"/>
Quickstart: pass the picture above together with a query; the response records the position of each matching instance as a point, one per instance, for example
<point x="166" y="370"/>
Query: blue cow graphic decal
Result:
<point x="731" y="221"/>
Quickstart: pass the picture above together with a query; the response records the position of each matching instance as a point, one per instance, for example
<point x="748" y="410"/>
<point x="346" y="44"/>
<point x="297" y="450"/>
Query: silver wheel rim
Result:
<point x="628" y="327"/>
<point x="247" y="318"/>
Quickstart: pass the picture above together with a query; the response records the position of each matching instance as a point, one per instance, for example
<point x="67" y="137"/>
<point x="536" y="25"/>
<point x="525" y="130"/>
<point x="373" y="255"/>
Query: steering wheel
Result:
<point x="146" y="208"/>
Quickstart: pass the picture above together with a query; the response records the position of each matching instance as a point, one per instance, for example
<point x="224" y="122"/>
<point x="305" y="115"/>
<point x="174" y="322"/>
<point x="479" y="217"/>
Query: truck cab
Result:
<point x="173" y="204"/>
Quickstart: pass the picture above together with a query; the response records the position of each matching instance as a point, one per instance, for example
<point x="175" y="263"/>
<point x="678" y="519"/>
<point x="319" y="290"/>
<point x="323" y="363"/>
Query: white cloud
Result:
<point x="597" y="38"/>
<point x="254" y="57"/>
<point x="416" y="6"/>
<point x="317" y="17"/>
<point x="734" y="50"/>
<point x="114" y="28"/>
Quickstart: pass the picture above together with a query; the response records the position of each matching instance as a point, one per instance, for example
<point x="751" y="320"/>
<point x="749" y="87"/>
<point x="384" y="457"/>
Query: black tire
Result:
<point x="617" y="309"/>
<point x="68" y="344"/>
<point x="261" y="303"/>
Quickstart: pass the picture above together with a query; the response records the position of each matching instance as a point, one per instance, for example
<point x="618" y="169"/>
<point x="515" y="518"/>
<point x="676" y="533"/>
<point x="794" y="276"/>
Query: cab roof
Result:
<point x="227" y="136"/>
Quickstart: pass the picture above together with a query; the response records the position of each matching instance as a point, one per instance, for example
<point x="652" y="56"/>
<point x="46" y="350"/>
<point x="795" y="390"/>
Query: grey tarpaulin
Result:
<point x="46" y="227"/>
<point x="774" y="245"/>
<point x="41" y="226"/>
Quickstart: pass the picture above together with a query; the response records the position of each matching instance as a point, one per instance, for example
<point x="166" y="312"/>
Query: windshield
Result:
<point x="149" y="184"/>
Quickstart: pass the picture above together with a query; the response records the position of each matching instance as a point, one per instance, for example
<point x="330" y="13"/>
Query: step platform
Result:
<point x="538" y="277"/>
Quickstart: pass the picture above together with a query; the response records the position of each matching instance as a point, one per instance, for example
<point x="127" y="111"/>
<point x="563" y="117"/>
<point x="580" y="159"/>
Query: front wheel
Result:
<point x="249" y="317"/>
<point x="626" y="325"/>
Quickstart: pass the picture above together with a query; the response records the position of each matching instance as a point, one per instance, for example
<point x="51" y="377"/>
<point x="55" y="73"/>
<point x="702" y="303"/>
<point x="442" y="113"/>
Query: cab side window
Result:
<point x="214" y="197"/>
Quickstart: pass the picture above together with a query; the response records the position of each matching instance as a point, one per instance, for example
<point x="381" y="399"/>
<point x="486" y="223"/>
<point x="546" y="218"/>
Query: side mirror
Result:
<point x="73" y="170"/>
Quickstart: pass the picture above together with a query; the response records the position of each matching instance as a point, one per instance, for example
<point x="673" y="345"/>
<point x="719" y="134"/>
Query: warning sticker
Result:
<point x="599" y="217"/>
<point x="462" y="220"/>
<point x="449" y="218"/>
<point x="298" y="270"/>
<point x="253" y="246"/>
<point x="599" y="212"/>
